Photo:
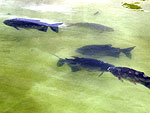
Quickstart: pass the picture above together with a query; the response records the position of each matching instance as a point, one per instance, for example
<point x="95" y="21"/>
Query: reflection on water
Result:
<point x="30" y="81"/>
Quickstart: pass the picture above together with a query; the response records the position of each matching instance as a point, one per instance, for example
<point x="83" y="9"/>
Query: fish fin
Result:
<point x="101" y="74"/>
<point x="43" y="28"/>
<point x="127" y="51"/>
<point x="54" y="27"/>
<point x="75" y="68"/>
<point x="16" y="28"/>
<point x="120" y="79"/>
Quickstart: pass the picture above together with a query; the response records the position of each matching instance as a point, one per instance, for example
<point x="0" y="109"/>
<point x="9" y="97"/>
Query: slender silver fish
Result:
<point x="93" y="26"/>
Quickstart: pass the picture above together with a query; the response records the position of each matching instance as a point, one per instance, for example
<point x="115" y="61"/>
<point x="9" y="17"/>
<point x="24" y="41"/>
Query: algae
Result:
<point x="131" y="6"/>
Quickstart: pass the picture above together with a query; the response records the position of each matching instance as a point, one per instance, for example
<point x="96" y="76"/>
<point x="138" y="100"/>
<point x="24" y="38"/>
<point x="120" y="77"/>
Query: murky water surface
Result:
<point x="30" y="81"/>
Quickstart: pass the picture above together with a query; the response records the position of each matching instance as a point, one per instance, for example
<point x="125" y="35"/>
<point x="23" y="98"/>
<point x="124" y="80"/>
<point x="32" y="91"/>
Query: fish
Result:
<point x="93" y="26"/>
<point x="131" y="75"/>
<point x="104" y="50"/>
<point x="88" y="64"/>
<point x="31" y="24"/>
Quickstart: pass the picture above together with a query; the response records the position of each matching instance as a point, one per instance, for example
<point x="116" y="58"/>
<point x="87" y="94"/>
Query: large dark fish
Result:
<point x="31" y="24"/>
<point x="103" y="50"/>
<point x="131" y="75"/>
<point x="93" y="26"/>
<point x="77" y="64"/>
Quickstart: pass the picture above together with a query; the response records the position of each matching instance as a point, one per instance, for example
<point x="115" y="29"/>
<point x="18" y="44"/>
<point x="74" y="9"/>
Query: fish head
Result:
<point x="114" y="70"/>
<point x="60" y="62"/>
<point x="9" y="22"/>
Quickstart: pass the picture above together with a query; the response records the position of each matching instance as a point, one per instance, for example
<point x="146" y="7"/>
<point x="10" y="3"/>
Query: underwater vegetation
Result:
<point x="131" y="6"/>
<point x="142" y="5"/>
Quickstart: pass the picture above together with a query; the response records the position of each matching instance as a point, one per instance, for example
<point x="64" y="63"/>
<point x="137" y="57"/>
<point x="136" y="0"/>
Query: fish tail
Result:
<point x="127" y="51"/>
<point x="54" y="27"/>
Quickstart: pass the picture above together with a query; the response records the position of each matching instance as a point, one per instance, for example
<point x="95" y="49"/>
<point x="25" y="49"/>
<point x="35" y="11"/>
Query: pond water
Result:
<point x="31" y="82"/>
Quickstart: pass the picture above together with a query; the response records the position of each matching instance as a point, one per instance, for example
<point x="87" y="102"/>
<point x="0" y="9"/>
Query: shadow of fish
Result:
<point x="93" y="26"/>
<point x="131" y="75"/>
<point x="89" y="64"/>
<point x="31" y="24"/>
<point x="104" y="50"/>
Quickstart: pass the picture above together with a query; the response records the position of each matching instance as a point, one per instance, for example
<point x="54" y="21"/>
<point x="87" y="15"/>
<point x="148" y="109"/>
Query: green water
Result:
<point x="30" y="81"/>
